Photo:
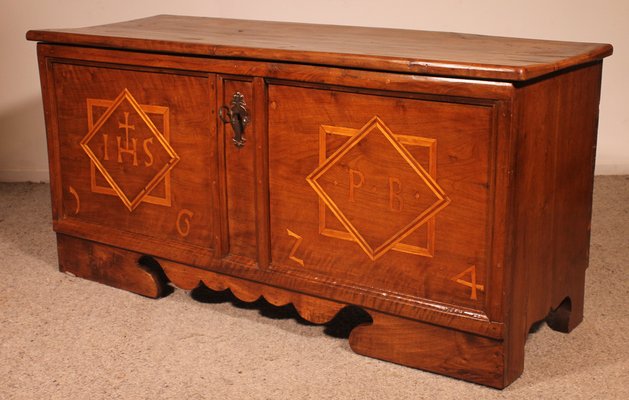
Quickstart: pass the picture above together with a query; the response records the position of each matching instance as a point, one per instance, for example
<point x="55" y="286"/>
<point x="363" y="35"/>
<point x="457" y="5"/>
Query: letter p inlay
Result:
<point x="356" y="180"/>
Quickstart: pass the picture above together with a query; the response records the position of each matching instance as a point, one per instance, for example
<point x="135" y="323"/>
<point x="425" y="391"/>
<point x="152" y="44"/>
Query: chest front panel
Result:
<point x="136" y="152"/>
<point x="382" y="192"/>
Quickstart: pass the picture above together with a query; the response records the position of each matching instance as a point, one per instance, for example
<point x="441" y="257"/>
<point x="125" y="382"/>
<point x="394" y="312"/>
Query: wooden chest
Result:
<point x="441" y="182"/>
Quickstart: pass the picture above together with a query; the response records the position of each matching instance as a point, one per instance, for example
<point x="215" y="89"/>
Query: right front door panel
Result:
<point x="380" y="192"/>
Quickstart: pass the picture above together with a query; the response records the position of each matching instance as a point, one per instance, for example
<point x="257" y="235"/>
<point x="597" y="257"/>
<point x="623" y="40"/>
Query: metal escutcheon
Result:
<point x="236" y="115"/>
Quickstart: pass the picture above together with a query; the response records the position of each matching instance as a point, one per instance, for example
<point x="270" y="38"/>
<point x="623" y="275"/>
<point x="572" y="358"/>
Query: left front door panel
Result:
<point x="135" y="155"/>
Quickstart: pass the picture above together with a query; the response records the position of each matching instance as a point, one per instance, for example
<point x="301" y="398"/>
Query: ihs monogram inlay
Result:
<point x="128" y="149"/>
<point x="377" y="190"/>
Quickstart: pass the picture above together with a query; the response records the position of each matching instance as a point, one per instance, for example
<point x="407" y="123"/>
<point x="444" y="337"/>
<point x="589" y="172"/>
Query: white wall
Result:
<point x="22" y="144"/>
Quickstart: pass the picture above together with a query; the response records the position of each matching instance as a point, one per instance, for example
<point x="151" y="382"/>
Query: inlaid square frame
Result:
<point x="148" y="109"/>
<point x="428" y="143"/>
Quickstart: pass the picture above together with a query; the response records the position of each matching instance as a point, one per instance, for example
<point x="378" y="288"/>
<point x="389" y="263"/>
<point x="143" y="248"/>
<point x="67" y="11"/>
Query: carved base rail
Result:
<point x="399" y="340"/>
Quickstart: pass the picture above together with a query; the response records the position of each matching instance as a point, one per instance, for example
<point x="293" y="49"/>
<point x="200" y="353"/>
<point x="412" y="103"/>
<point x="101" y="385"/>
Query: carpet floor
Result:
<point x="62" y="337"/>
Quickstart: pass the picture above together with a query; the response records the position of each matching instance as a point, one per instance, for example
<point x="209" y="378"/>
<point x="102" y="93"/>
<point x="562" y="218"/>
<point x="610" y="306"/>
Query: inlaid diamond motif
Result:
<point x="376" y="189"/>
<point x="128" y="149"/>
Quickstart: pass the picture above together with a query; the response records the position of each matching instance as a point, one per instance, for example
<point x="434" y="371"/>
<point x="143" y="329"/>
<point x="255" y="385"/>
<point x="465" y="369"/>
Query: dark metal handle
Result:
<point x="236" y="115"/>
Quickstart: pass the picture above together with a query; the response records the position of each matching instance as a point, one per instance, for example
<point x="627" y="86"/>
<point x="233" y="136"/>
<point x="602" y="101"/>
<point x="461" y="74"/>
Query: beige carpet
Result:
<point x="66" y="338"/>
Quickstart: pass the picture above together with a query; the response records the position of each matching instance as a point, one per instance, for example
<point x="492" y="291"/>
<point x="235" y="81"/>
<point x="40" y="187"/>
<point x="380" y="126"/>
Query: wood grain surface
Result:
<point x="420" y="52"/>
<point x="108" y="265"/>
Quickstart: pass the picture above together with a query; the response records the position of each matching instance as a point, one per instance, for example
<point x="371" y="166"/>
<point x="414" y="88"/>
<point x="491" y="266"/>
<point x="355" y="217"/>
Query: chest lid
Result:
<point x="395" y="50"/>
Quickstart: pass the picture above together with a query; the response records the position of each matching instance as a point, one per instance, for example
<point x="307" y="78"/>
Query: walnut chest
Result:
<point x="441" y="182"/>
